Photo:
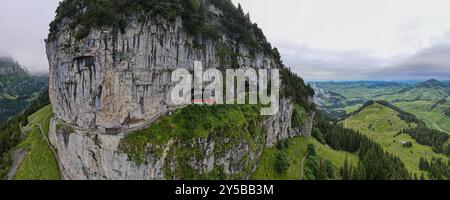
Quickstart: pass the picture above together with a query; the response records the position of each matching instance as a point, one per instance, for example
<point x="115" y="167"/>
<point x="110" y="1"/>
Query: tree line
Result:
<point x="374" y="162"/>
<point x="430" y="137"/>
<point x="437" y="169"/>
<point x="316" y="167"/>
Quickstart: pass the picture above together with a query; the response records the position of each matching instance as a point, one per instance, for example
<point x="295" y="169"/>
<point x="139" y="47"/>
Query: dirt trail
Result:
<point x="17" y="157"/>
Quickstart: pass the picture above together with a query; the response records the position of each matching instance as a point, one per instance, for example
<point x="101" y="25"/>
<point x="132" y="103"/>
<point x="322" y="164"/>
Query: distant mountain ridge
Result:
<point x="431" y="83"/>
<point x="8" y="66"/>
<point x="17" y="87"/>
<point x="405" y="116"/>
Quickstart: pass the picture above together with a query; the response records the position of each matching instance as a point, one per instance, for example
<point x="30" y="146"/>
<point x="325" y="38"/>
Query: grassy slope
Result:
<point x="296" y="152"/>
<point x="398" y="95"/>
<point x="350" y="109"/>
<point x="384" y="133"/>
<point x="40" y="162"/>
<point x="421" y="108"/>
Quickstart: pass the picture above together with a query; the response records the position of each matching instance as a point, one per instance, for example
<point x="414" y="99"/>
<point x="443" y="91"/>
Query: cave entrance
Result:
<point x="112" y="131"/>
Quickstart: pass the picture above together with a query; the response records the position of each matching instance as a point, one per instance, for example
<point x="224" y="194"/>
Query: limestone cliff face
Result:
<point x="109" y="84"/>
<point x="117" y="81"/>
<point x="90" y="155"/>
<point x="279" y="126"/>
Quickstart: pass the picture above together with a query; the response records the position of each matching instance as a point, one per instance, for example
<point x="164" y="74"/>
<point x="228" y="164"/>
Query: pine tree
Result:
<point x="282" y="164"/>
<point x="240" y="10"/>
<point x="423" y="164"/>
<point x="346" y="171"/>
<point x="247" y="17"/>
<point x="321" y="171"/>
<point x="311" y="150"/>
<point x="422" y="176"/>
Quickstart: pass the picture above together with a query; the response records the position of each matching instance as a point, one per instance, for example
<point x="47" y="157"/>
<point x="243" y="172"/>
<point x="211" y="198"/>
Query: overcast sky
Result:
<point x="24" y="25"/>
<point x="319" y="39"/>
<point x="358" y="39"/>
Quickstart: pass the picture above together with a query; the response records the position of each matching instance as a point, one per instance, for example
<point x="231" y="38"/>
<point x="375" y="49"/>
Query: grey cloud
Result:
<point x="319" y="64"/>
<point x="432" y="62"/>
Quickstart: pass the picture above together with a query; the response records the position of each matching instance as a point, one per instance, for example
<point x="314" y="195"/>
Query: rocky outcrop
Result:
<point x="279" y="126"/>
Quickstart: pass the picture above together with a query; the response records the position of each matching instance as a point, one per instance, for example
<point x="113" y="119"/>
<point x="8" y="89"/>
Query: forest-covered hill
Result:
<point x="17" y="88"/>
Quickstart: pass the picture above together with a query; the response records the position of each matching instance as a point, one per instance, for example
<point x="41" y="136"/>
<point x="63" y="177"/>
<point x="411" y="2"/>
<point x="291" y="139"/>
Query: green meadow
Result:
<point x="382" y="125"/>
<point x="426" y="100"/>
<point x="40" y="162"/>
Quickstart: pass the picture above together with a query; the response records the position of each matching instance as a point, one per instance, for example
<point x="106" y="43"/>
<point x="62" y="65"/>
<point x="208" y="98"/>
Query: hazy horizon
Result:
<point x="320" y="40"/>
<point x="387" y="81"/>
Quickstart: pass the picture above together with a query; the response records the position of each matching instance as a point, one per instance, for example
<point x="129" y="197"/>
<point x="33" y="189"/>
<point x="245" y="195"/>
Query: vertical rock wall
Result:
<point x="118" y="81"/>
<point x="109" y="84"/>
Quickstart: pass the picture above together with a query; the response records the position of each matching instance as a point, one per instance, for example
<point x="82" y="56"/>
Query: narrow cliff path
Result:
<point x="125" y="131"/>
<point x="45" y="136"/>
<point x="302" y="173"/>
<point x="52" y="148"/>
<point x="17" y="156"/>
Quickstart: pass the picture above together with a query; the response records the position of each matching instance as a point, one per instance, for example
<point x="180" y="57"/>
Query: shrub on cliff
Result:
<point x="282" y="164"/>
